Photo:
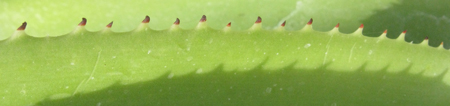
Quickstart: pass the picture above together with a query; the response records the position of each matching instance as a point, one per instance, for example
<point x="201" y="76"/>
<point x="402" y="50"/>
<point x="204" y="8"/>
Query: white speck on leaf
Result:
<point x="268" y="90"/>
<point x="170" y="76"/>
<point x="189" y="58"/>
<point x="307" y="45"/>
<point x="200" y="70"/>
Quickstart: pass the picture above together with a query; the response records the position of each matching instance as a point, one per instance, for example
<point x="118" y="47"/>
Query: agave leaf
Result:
<point x="95" y="68"/>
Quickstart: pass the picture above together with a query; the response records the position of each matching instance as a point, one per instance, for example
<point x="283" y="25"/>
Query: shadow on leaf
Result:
<point x="283" y="87"/>
<point x="421" y="18"/>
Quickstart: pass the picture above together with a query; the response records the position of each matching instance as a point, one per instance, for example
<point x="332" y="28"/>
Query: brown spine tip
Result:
<point x="83" y="22"/>
<point x="283" y="24"/>
<point x="361" y="26"/>
<point x="203" y="19"/>
<point x="426" y="38"/>
<point x="337" y="26"/>
<point x="259" y="20"/>
<point x="442" y="43"/>
<point x="229" y="24"/>
<point x="177" y="22"/>
<point x="110" y="24"/>
<point x="385" y="31"/>
<point x="23" y="26"/>
<point x="310" y="22"/>
<point x="404" y="32"/>
<point x="146" y="19"/>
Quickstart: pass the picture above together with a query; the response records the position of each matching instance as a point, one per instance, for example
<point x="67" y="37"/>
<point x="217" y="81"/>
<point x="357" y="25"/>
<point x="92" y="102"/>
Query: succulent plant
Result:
<point x="216" y="61"/>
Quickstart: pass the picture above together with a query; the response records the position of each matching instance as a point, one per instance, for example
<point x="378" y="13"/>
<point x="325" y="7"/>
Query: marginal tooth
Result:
<point x="203" y="19"/>
<point x="144" y="24"/>
<point x="283" y="24"/>
<point x="146" y="19"/>
<point x="177" y="22"/>
<point x="19" y="32"/>
<point x="83" y="22"/>
<point x="109" y="25"/>
<point x="425" y="41"/>
<point x="335" y="29"/>
<point x="308" y="26"/>
<point x="81" y="25"/>
<point x="257" y="25"/>
<point x="175" y="25"/>
<point x="401" y="37"/>
<point x="441" y="46"/>
<point x="259" y="20"/>
<point x="310" y="22"/>
<point x="202" y="23"/>
<point x="281" y="27"/>
<point x="359" y="30"/>
<point x="383" y="35"/>
<point x="227" y="27"/>
<point x="22" y="27"/>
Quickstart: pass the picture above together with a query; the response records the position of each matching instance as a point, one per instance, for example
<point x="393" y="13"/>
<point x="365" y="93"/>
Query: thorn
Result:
<point x="203" y="19"/>
<point x="310" y="22"/>
<point x="259" y="20"/>
<point x="283" y="24"/>
<point x="83" y="22"/>
<point x="361" y="26"/>
<point x="109" y="25"/>
<point x="442" y="43"/>
<point x="146" y="19"/>
<point x="404" y="32"/>
<point x="229" y="24"/>
<point x="337" y="26"/>
<point x="23" y="26"/>
<point x="385" y="31"/>
<point x="426" y="38"/>
<point x="177" y="22"/>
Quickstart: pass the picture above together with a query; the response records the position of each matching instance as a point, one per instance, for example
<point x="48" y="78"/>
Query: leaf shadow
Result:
<point x="421" y="18"/>
<point x="282" y="87"/>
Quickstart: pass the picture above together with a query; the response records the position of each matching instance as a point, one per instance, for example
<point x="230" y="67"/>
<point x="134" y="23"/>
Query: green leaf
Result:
<point x="128" y="68"/>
